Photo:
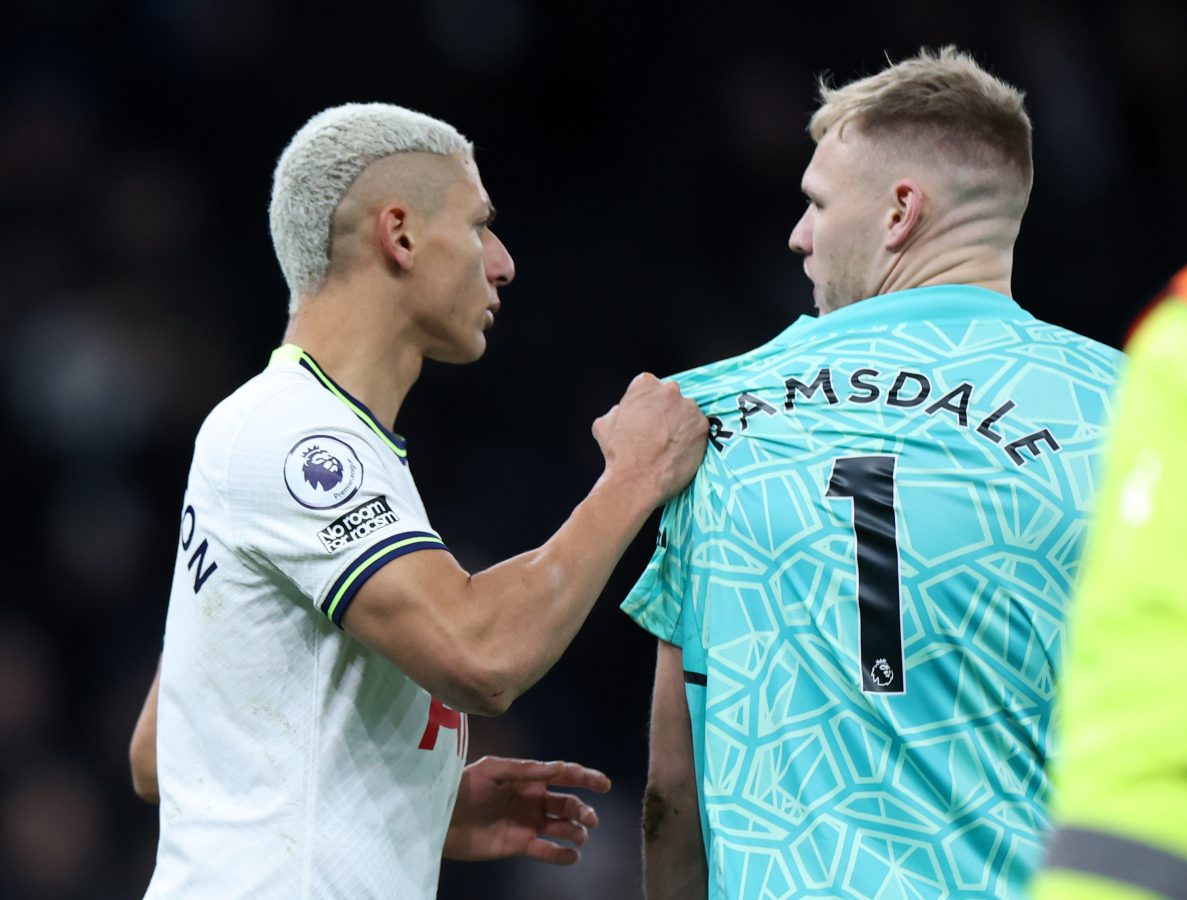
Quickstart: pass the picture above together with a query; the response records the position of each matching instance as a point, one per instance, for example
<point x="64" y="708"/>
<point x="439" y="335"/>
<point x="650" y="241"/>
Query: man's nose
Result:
<point x="500" y="267"/>
<point x="801" y="236"/>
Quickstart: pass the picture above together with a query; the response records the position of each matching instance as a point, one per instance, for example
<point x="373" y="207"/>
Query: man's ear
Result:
<point x="905" y="215"/>
<point x="395" y="239"/>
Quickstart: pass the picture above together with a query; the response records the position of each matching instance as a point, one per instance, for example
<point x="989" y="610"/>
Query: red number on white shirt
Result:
<point x="441" y="716"/>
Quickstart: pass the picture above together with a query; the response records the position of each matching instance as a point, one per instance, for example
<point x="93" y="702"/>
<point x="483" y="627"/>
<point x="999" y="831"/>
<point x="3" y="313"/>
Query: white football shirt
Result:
<point x="293" y="761"/>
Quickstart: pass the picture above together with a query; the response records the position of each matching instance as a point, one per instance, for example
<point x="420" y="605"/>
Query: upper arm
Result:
<point x="673" y="850"/>
<point x="414" y="612"/>
<point x="659" y="602"/>
<point x="142" y="754"/>
<point x="670" y="762"/>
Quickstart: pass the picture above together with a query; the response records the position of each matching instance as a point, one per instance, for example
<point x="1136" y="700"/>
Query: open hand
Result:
<point x="505" y="808"/>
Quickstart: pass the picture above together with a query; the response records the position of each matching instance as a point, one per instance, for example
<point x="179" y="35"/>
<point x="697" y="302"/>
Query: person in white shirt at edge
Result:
<point x="322" y="646"/>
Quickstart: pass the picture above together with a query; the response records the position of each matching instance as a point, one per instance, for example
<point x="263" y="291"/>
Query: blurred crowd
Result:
<point x="645" y="160"/>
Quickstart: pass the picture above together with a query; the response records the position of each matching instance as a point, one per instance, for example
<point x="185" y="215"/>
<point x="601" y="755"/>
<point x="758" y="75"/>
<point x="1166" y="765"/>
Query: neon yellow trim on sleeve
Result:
<point x="373" y="558"/>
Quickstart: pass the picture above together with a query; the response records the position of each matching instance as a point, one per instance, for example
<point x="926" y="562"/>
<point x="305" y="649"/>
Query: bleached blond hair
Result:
<point x="943" y="97"/>
<point x="319" y="165"/>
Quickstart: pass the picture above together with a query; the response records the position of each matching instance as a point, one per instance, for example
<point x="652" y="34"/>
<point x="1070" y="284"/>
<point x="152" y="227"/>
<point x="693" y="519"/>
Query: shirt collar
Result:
<point x="925" y="304"/>
<point x="291" y="353"/>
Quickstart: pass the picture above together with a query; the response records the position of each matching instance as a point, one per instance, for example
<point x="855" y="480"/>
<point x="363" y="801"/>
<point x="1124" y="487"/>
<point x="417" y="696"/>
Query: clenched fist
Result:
<point x="653" y="436"/>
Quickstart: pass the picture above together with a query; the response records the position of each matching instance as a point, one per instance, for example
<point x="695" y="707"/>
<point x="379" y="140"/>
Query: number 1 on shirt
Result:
<point x="869" y="482"/>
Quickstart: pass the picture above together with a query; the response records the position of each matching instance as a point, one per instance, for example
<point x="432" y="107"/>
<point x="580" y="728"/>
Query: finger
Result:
<point x="567" y="806"/>
<point x="555" y="854"/>
<point x="562" y="774"/>
<point x="575" y="775"/>
<point x="510" y="771"/>
<point x="643" y="379"/>
<point x="602" y="423"/>
<point x="564" y="830"/>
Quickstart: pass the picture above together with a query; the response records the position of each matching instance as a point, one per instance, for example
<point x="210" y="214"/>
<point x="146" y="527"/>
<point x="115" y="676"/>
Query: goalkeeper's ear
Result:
<point x="905" y="213"/>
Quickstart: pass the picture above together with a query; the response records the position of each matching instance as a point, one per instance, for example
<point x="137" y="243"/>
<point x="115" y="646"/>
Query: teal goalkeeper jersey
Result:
<point x="868" y="577"/>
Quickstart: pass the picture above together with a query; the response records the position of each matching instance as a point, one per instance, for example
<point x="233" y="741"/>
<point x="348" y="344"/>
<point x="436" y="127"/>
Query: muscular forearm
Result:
<point x="529" y="608"/>
<point x="478" y="641"/>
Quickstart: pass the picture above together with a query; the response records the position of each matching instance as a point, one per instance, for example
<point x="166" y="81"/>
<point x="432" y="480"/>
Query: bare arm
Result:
<point x="479" y="641"/>
<point x="143" y="752"/>
<point x="673" y="851"/>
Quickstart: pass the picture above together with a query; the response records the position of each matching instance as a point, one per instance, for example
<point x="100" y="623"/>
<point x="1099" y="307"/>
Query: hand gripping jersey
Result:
<point x="1121" y="773"/>
<point x="293" y="761"/>
<point x="868" y="578"/>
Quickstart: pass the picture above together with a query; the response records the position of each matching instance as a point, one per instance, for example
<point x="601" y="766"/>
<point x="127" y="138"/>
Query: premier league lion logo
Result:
<point x="881" y="673"/>
<point x="321" y="469"/>
<point x="322" y="472"/>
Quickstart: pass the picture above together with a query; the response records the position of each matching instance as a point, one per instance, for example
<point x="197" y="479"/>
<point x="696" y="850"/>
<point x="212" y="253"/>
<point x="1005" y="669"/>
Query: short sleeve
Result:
<point x="317" y="501"/>
<point x="657" y="600"/>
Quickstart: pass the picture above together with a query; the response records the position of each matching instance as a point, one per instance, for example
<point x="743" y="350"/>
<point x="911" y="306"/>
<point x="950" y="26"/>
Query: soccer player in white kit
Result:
<point x="322" y="646"/>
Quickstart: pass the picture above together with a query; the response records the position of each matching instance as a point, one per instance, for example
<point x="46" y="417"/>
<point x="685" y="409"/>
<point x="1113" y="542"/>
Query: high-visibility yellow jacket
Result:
<point x="1121" y="770"/>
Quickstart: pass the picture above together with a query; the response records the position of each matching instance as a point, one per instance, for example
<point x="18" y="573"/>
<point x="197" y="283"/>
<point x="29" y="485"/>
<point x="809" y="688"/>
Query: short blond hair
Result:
<point x="319" y="166"/>
<point x="944" y="96"/>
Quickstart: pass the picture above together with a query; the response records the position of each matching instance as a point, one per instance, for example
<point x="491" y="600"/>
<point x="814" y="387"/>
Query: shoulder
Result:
<point x="267" y="418"/>
<point x="1077" y="354"/>
<point x="277" y="401"/>
<point x="708" y="383"/>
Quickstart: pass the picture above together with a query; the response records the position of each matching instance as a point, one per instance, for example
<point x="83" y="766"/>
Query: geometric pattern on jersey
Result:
<point x="293" y="760"/>
<point x="868" y="579"/>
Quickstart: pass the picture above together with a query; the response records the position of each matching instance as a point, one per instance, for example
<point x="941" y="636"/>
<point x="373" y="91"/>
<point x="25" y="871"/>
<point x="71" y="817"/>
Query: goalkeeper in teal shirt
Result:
<point x="860" y="599"/>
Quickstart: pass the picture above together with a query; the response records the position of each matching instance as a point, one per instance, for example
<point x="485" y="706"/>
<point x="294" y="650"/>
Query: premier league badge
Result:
<point x="881" y="673"/>
<point x="322" y="472"/>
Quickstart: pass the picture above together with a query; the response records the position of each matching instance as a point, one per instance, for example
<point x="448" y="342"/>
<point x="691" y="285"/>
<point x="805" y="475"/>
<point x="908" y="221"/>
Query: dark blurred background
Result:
<point x="645" y="159"/>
